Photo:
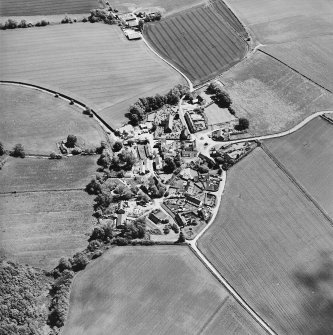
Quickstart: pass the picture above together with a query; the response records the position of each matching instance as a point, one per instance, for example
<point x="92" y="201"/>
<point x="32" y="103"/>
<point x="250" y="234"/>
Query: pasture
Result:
<point x="40" y="228"/>
<point x="200" y="41"/>
<point x="312" y="57"/>
<point x="31" y="174"/>
<point x="94" y="63"/>
<point x="265" y="229"/>
<point x="38" y="121"/>
<point x="273" y="97"/>
<point x="277" y="21"/>
<point x="40" y="7"/>
<point x="308" y="155"/>
<point x="140" y="290"/>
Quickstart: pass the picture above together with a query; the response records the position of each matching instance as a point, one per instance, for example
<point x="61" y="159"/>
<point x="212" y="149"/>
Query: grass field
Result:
<point x="38" y="7"/>
<point x="265" y="229"/>
<point x="216" y="115"/>
<point x="200" y="42"/>
<point x="22" y="175"/>
<point x="95" y="64"/>
<point x="38" y="121"/>
<point x="312" y="57"/>
<point x="277" y="21"/>
<point x="40" y="228"/>
<point x="308" y="156"/>
<point x="273" y="97"/>
<point x="140" y="290"/>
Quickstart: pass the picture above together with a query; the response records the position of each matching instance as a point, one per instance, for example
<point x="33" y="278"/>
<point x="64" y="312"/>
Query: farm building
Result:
<point x="189" y="122"/>
<point x="169" y="124"/>
<point x="181" y="221"/>
<point x="158" y="162"/>
<point x="129" y="19"/>
<point x="131" y="34"/>
<point x="193" y="201"/>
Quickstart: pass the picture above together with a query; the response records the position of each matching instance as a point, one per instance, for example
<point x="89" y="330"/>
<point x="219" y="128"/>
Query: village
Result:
<point x="166" y="170"/>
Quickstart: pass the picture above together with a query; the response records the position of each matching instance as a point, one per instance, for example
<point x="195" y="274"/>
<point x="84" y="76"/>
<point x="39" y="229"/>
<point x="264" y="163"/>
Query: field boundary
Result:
<point x="76" y="101"/>
<point x="301" y="74"/>
<point x="296" y="183"/>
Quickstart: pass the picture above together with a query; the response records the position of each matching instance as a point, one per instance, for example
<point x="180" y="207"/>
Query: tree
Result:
<point x="102" y="201"/>
<point x="141" y="24"/>
<point x="104" y="160"/>
<point x="117" y="146"/>
<point x="71" y="141"/>
<point x="138" y="110"/>
<point x="243" y="124"/>
<point x="64" y="264"/>
<point x="181" y="238"/>
<point x="18" y="151"/>
<point x="94" y="187"/>
<point x="129" y="159"/>
<point x="134" y="119"/>
<point x="222" y="99"/>
<point x="2" y="149"/>
<point x="203" y="169"/>
<point x="159" y="101"/>
<point x="213" y="87"/>
<point x="80" y="261"/>
<point x="169" y="166"/>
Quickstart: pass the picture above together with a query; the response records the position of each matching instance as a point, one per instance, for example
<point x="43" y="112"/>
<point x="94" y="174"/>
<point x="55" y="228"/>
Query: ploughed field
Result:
<point x="267" y="230"/>
<point x="308" y="156"/>
<point x="273" y="97"/>
<point x="150" y="290"/>
<point x="39" y="7"/>
<point x="202" y="42"/>
<point x="40" y="228"/>
<point x="94" y="63"/>
<point x="38" y="121"/>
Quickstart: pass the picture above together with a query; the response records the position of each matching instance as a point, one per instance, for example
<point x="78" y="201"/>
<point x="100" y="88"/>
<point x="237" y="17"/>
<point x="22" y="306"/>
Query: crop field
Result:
<point x="31" y="174"/>
<point x="40" y="228"/>
<point x="277" y="21"/>
<point x="200" y="42"/>
<point x="154" y="290"/>
<point x="265" y="229"/>
<point x="39" y="7"/>
<point x="38" y="121"/>
<point x="313" y="57"/>
<point x="95" y="64"/>
<point x="308" y="155"/>
<point x="273" y="97"/>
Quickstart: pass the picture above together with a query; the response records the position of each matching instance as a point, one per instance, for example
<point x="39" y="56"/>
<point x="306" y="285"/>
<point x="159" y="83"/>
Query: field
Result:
<point x="154" y="290"/>
<point x="265" y="230"/>
<point x="273" y="97"/>
<point x="22" y="175"/>
<point x="277" y="21"/>
<point x="40" y="228"/>
<point x="38" y="121"/>
<point x="312" y="57"/>
<point x="200" y="41"/>
<point x="308" y="155"/>
<point x="39" y="7"/>
<point x="217" y="115"/>
<point x="96" y="64"/>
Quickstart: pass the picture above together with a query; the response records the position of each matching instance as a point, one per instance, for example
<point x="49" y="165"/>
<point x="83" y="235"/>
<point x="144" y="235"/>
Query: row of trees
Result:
<point x="17" y="151"/>
<point x="143" y="106"/>
<point x="12" y="24"/>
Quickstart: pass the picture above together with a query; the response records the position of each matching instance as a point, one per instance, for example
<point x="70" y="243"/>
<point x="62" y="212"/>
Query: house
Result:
<point x="148" y="150"/>
<point x="158" y="162"/>
<point x="181" y="221"/>
<point x="189" y="122"/>
<point x="212" y="185"/>
<point x="193" y="201"/>
<point x="143" y="165"/>
<point x="121" y="217"/>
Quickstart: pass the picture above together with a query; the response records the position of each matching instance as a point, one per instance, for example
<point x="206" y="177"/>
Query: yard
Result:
<point x="38" y="121"/>
<point x="146" y="290"/>
<point x="217" y="115"/>
<point x="273" y="97"/>
<point x="265" y="230"/>
<point x="308" y="155"/>
<point x="95" y="63"/>
<point x="200" y="41"/>
<point x="40" y="228"/>
<point x="31" y="174"/>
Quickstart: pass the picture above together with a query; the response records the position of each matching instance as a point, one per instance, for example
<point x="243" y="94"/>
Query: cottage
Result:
<point x="121" y="217"/>
<point x="169" y="124"/>
<point x="158" y="162"/>
<point x="189" y="122"/>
